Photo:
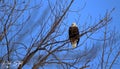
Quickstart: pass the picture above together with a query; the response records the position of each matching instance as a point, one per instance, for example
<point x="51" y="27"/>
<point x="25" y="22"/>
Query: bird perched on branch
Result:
<point x="74" y="35"/>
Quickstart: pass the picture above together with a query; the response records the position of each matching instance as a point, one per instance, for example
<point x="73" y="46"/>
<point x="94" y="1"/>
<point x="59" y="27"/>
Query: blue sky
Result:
<point x="96" y="8"/>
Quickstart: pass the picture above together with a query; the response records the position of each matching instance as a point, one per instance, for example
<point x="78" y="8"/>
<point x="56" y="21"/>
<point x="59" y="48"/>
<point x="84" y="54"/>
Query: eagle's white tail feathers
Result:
<point x="74" y="44"/>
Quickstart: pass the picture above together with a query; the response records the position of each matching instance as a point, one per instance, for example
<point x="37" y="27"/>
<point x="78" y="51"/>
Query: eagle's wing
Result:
<point x="74" y="34"/>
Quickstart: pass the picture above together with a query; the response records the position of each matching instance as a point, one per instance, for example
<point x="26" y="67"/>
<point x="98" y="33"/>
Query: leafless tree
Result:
<point x="34" y="32"/>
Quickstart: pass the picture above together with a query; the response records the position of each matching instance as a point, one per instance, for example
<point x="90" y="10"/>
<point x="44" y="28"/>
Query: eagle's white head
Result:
<point x="74" y="25"/>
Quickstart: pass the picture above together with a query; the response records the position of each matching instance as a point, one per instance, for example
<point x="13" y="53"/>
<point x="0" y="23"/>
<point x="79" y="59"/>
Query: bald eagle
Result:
<point x="74" y="35"/>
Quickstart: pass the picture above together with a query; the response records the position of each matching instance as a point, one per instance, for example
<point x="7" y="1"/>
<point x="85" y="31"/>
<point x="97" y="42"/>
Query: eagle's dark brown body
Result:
<point x="74" y="35"/>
